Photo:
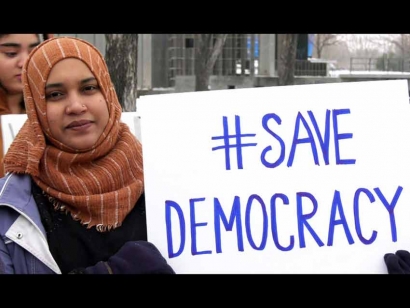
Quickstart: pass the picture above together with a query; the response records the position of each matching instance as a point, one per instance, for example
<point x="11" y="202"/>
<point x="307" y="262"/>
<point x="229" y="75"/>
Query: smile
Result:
<point x="79" y="125"/>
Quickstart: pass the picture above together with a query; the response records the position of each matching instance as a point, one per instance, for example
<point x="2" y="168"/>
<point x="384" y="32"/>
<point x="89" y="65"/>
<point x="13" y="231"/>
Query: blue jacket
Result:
<point x="23" y="244"/>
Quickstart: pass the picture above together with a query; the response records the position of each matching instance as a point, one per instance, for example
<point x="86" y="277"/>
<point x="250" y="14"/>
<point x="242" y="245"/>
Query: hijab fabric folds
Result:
<point x="98" y="186"/>
<point x="4" y="109"/>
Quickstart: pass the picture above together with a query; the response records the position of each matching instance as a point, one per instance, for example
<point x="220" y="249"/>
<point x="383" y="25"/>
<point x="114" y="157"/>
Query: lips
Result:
<point x="80" y="123"/>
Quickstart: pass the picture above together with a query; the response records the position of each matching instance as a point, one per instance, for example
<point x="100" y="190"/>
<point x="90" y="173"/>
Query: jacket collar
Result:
<point x="13" y="183"/>
<point x="15" y="191"/>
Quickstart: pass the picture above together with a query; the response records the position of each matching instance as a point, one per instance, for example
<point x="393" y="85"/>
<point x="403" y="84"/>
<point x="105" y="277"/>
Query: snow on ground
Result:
<point x="336" y="73"/>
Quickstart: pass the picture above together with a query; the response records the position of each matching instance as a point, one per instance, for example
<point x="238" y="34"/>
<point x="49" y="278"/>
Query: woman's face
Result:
<point x="14" y="50"/>
<point x="77" y="111"/>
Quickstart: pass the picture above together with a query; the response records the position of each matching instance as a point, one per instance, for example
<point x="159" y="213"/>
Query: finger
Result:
<point x="404" y="260"/>
<point x="392" y="264"/>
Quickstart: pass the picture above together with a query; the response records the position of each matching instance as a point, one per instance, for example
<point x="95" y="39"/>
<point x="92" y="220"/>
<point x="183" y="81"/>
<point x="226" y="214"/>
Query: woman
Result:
<point x="72" y="201"/>
<point x="14" y="50"/>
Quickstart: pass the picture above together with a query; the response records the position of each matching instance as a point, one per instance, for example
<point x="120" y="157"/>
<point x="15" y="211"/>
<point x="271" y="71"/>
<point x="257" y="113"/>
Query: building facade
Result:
<point x="166" y="62"/>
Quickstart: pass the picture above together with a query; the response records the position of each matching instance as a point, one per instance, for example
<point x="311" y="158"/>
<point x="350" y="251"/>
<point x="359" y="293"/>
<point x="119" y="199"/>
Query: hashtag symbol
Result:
<point x="238" y="142"/>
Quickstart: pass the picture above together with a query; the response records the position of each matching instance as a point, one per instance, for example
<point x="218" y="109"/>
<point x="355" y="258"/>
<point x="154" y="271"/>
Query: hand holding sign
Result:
<point x="398" y="263"/>
<point x="135" y="257"/>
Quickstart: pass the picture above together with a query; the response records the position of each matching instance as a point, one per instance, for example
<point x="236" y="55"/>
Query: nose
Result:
<point x="22" y="58"/>
<point x="75" y="106"/>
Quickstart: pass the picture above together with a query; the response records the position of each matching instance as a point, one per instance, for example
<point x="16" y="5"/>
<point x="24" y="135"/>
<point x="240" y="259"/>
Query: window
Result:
<point x="189" y="43"/>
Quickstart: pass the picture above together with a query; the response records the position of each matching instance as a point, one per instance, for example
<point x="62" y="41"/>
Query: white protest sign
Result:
<point x="132" y="119"/>
<point x="11" y="124"/>
<point x="294" y="179"/>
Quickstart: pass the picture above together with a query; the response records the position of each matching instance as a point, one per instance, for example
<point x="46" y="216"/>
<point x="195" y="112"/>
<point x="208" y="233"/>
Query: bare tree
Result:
<point x="338" y="54"/>
<point x="323" y="41"/>
<point x="364" y="46"/>
<point x="121" y="55"/>
<point x="207" y="49"/>
<point x="399" y="42"/>
<point x="287" y="45"/>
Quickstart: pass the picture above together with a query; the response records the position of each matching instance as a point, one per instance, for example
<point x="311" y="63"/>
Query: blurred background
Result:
<point x="167" y="63"/>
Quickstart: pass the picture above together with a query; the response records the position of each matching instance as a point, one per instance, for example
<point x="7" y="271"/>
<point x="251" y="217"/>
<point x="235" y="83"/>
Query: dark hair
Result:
<point x="40" y="36"/>
<point x="46" y="36"/>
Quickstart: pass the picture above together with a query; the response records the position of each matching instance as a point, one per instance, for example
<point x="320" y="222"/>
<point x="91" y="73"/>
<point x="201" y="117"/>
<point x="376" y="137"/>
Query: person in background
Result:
<point x="72" y="201"/>
<point x="14" y="50"/>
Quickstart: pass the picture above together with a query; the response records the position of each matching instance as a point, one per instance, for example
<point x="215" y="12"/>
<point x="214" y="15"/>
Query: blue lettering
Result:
<point x="248" y="222"/>
<point x="269" y="148"/>
<point x="337" y="205"/>
<point x="296" y="141"/>
<point x="168" y="205"/>
<point x="235" y="216"/>
<point x="324" y="142"/>
<point x="302" y="218"/>
<point x="338" y="136"/>
<point x="194" y="225"/>
<point x="390" y="209"/>
<point x="274" y="224"/>
<point x="357" y="218"/>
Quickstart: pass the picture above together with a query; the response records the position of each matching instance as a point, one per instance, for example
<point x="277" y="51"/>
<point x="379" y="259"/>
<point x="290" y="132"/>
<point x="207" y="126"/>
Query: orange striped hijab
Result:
<point x="98" y="186"/>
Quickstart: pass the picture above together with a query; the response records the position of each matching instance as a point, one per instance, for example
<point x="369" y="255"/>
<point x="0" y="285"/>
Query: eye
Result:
<point x="90" y="88"/>
<point x="53" y="95"/>
<point x="11" y="54"/>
